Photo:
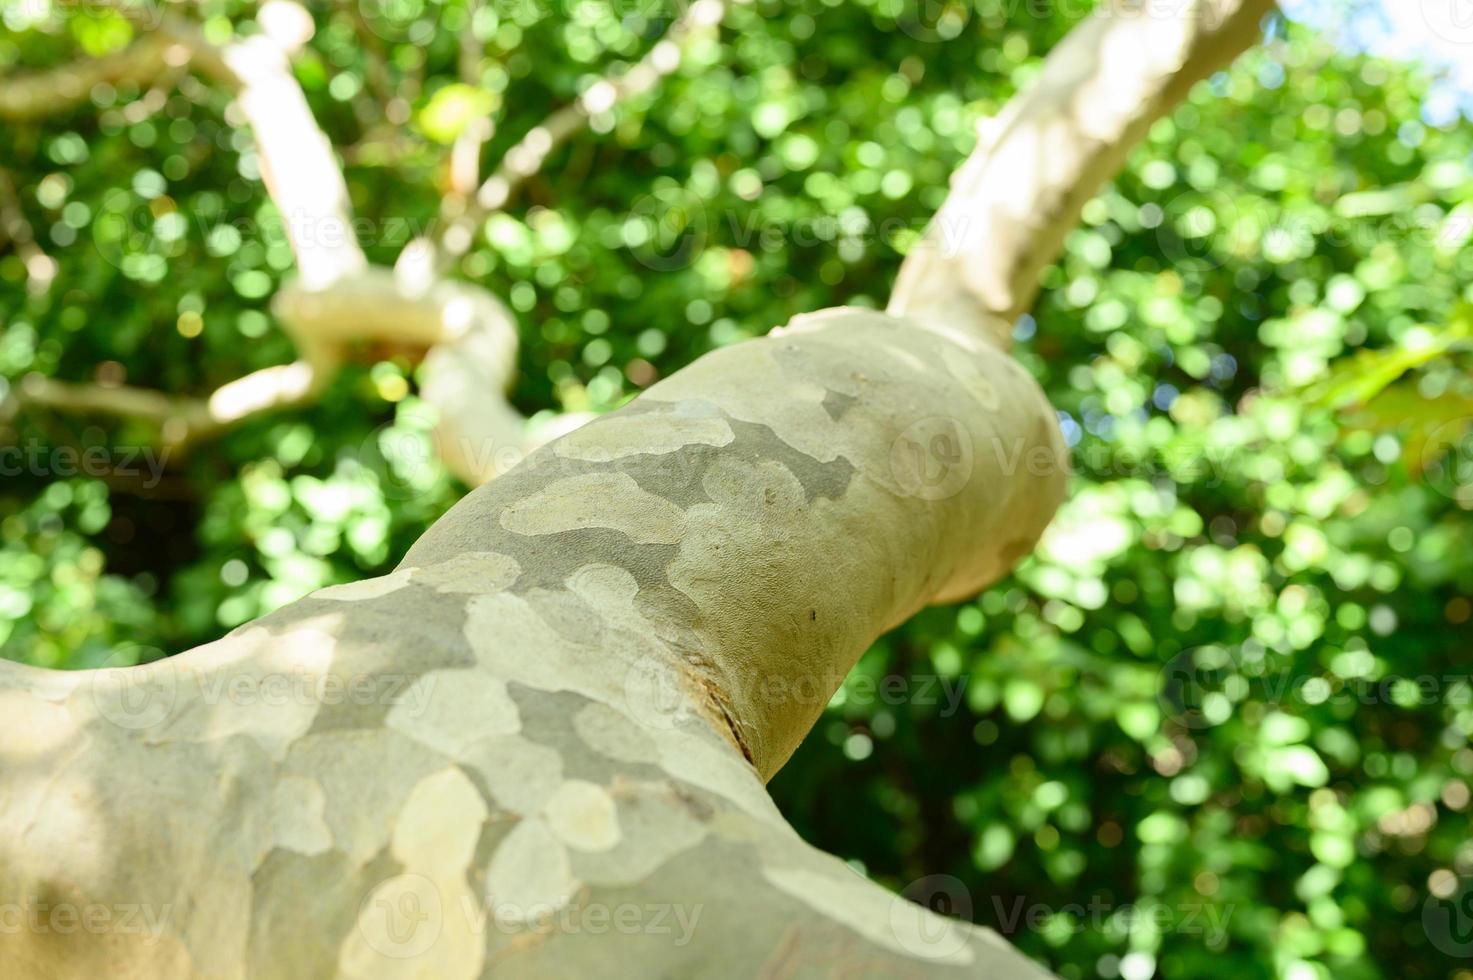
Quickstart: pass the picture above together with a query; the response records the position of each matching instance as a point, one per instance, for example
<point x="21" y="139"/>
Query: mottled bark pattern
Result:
<point x="561" y="707"/>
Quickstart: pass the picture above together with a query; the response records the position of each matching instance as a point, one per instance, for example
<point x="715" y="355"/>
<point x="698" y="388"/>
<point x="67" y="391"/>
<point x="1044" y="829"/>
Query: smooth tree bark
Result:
<point x="538" y="747"/>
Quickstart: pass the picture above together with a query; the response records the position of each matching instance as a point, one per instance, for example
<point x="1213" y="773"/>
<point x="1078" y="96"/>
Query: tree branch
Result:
<point x="451" y="240"/>
<point x="37" y="95"/>
<point x="183" y="420"/>
<point x="464" y="165"/>
<point x="297" y="163"/>
<point x="471" y="341"/>
<point x="1014" y="201"/>
<point x="16" y="230"/>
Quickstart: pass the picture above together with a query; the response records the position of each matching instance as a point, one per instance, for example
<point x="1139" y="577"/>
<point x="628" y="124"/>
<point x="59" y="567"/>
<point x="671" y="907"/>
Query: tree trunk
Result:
<point x="539" y="745"/>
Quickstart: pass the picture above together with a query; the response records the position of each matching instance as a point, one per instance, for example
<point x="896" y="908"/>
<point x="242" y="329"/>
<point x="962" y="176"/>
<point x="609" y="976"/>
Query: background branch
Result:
<point x="1019" y="194"/>
<point x="450" y="240"/>
<point x="16" y="231"/>
<point x="37" y="95"/>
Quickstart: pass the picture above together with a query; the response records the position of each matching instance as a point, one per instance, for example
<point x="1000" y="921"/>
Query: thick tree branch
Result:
<point x="566" y="698"/>
<point x="1020" y="193"/>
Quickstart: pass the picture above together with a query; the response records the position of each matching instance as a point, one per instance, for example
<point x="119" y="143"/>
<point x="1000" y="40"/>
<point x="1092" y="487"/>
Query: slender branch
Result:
<point x="37" y="95"/>
<point x="471" y="341"/>
<point x="527" y="157"/>
<point x="176" y="417"/>
<point x="182" y="419"/>
<point x="1016" y="198"/>
<point x="375" y="60"/>
<point x="465" y="154"/>
<point x="16" y="229"/>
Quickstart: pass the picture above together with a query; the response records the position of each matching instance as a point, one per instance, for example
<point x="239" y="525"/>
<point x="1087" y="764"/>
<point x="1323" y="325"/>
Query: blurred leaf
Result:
<point x="451" y="109"/>
<point x="1361" y="377"/>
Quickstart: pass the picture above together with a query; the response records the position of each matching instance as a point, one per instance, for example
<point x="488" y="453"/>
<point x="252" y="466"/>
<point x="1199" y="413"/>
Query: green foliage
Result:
<point x="453" y="108"/>
<point x="1218" y="726"/>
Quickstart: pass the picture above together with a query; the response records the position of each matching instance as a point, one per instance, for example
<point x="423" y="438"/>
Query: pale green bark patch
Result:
<point x="634" y="434"/>
<point x="371" y="588"/>
<point x="475" y="572"/>
<point x="530" y="875"/>
<point x="606" y="500"/>
<point x="450" y="710"/>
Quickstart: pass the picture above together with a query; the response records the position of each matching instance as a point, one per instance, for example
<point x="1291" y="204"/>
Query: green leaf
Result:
<point x="1022" y="699"/>
<point x="453" y="108"/>
<point x="1355" y="380"/>
<point x="1303" y="764"/>
<point x="101" y="33"/>
<point x="1140" y="720"/>
<point x="1429" y="426"/>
